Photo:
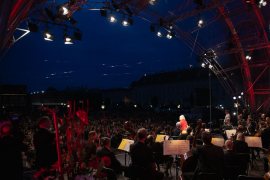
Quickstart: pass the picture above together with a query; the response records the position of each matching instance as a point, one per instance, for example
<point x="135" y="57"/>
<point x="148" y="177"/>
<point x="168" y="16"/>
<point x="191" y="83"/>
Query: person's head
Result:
<point x="260" y="119"/>
<point x="190" y="139"/>
<point x="94" y="134"/>
<point x="44" y="122"/>
<point x="150" y="138"/>
<point x="6" y="130"/>
<point x="229" y="145"/>
<point x="240" y="137"/>
<point x="203" y="125"/>
<point x="240" y="129"/>
<point x="189" y="130"/>
<point x="226" y="111"/>
<point x="142" y="134"/>
<point x="263" y="116"/>
<point x="267" y="119"/>
<point x="178" y="125"/>
<point x="106" y="142"/>
<point x="206" y="137"/>
<point x="249" y="121"/>
<point x="182" y="117"/>
<point x="239" y="117"/>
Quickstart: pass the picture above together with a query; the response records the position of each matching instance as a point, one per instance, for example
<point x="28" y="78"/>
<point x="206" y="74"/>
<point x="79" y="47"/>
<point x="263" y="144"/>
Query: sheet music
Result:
<point x="176" y="147"/>
<point x="208" y="130"/>
<point x="127" y="145"/>
<point x="161" y="138"/>
<point x="253" y="141"/>
<point x="230" y="132"/>
<point x="218" y="141"/>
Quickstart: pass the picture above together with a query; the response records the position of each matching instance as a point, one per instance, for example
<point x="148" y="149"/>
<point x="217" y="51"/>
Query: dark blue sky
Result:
<point x="109" y="56"/>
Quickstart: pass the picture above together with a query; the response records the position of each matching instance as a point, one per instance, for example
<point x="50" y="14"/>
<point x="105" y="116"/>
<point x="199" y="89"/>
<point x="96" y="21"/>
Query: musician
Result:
<point x="44" y="142"/>
<point x="211" y="157"/>
<point x="250" y="127"/>
<point x="227" y="116"/>
<point x="263" y="117"/>
<point x="106" y="151"/>
<point x="241" y="121"/>
<point x="177" y="131"/>
<point x="184" y="136"/>
<point x="183" y="122"/>
<point x="142" y="155"/>
<point x="158" y="147"/>
<point x="240" y="129"/>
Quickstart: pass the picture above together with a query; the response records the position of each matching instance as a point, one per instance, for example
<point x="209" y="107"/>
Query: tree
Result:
<point x="154" y="101"/>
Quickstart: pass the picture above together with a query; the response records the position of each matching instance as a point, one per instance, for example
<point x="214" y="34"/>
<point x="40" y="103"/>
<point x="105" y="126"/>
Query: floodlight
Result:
<point x="242" y="93"/>
<point x="112" y="18"/>
<point x="47" y="35"/>
<point x="68" y="39"/>
<point x="128" y="11"/>
<point x="125" y="22"/>
<point x="239" y="97"/>
<point x="72" y="21"/>
<point x="32" y="27"/>
<point x="234" y="97"/>
<point x="234" y="113"/>
<point x="200" y="22"/>
<point x="203" y="65"/>
<point x="173" y="33"/>
<point x="159" y="34"/>
<point x="210" y="66"/>
<point x="50" y="14"/>
<point x="168" y="35"/>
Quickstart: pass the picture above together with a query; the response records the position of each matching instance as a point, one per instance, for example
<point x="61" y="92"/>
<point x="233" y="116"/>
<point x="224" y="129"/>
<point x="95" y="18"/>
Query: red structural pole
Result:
<point x="57" y="140"/>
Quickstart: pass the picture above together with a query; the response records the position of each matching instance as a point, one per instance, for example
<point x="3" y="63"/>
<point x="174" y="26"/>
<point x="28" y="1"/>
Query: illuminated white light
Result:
<point x="200" y="21"/>
<point x="234" y="113"/>
<point x="248" y="57"/>
<point x="68" y="105"/>
<point x="169" y="36"/>
<point x="203" y="65"/>
<point x="239" y="97"/>
<point x="135" y="105"/>
<point x="65" y="11"/>
<point x="159" y="34"/>
<point x="125" y="23"/>
<point x="210" y="66"/>
<point x="34" y="92"/>
<point x="42" y="91"/>
<point x="242" y="93"/>
<point x="234" y="97"/>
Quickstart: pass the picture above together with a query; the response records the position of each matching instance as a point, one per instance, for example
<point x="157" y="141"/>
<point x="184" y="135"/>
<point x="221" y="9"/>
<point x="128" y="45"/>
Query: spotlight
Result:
<point x="32" y="27"/>
<point x="203" y="65"/>
<point x="125" y="22"/>
<point x="247" y="1"/>
<point x="168" y="35"/>
<point x="210" y="66"/>
<point x="242" y="93"/>
<point x="47" y="35"/>
<point x="248" y="57"/>
<point x="72" y="21"/>
<point x="77" y="35"/>
<point x="159" y="34"/>
<point x="103" y="12"/>
<point x="62" y="12"/>
<point x="234" y="113"/>
<point x="200" y="22"/>
<point x="112" y="18"/>
<point x="68" y="39"/>
<point x="50" y="14"/>
<point x="234" y="97"/>
<point x="152" y="2"/>
<point x="239" y="97"/>
<point x="152" y="28"/>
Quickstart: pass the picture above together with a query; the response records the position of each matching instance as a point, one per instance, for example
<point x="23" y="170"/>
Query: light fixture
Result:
<point x="135" y="105"/>
<point x="102" y="106"/>
<point x="47" y="35"/>
<point x="203" y="65"/>
<point x="63" y="10"/>
<point x="234" y="113"/>
<point x="200" y="21"/>
<point x="68" y="39"/>
<point x="210" y="66"/>
<point x="72" y="21"/>
<point x="239" y="97"/>
<point x="168" y="35"/>
<point x="234" y="97"/>
<point x="32" y="27"/>
<point x="103" y="12"/>
<point x="247" y="1"/>
<point x="242" y="93"/>
<point x="248" y="57"/>
<point x="159" y="34"/>
<point x="77" y="35"/>
<point x="50" y="14"/>
<point x="152" y="27"/>
<point x="152" y="2"/>
<point x="125" y="22"/>
<point x="42" y="91"/>
<point x="178" y="106"/>
<point x="112" y="18"/>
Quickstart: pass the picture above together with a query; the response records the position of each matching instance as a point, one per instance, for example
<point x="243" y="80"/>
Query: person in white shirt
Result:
<point x="227" y="116"/>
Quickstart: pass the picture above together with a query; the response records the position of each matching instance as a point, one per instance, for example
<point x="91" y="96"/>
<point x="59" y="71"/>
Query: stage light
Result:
<point x="234" y="97"/>
<point x="239" y="97"/>
<point x="159" y="34"/>
<point x="200" y="22"/>
<point x="50" y="14"/>
<point x="152" y="2"/>
<point x="72" y="21"/>
<point x="152" y="28"/>
<point x="203" y="65"/>
<point x="68" y="39"/>
<point x="234" y="113"/>
<point x="32" y="27"/>
<point x="102" y="106"/>
<point x="77" y="35"/>
<point x="112" y="18"/>
<point x="128" y="11"/>
<point x="247" y="1"/>
<point x="168" y="35"/>
<point x="248" y="57"/>
<point x="210" y="66"/>
<point x="135" y="105"/>
<point x="125" y="22"/>
<point x="47" y="35"/>
<point x="64" y="11"/>
<point x="242" y="93"/>
<point x="103" y="13"/>
<point x="42" y="91"/>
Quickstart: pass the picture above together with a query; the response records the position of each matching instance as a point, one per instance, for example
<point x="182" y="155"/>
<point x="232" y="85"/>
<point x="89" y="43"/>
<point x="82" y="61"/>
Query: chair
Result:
<point x="232" y="172"/>
<point x="242" y="177"/>
<point x="137" y="172"/>
<point x="208" y="176"/>
<point x="110" y="173"/>
<point x="158" y="159"/>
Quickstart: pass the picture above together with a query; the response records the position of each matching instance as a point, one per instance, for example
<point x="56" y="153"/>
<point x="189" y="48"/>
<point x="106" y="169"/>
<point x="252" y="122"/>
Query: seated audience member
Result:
<point x="232" y="158"/>
<point x="240" y="129"/>
<point x="158" y="147"/>
<point x="183" y="122"/>
<point x="250" y="127"/>
<point x="177" y="130"/>
<point x="211" y="157"/>
<point x="10" y="155"/>
<point x="106" y="151"/>
<point x="184" y="136"/>
<point x="142" y="155"/>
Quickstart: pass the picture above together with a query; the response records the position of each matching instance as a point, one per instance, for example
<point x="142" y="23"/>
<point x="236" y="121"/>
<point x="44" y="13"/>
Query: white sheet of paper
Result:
<point x="175" y="147"/>
<point x="218" y="141"/>
<point x="165" y="138"/>
<point x="253" y="141"/>
<point x="127" y="145"/>
<point x="230" y="132"/>
<point x="208" y="130"/>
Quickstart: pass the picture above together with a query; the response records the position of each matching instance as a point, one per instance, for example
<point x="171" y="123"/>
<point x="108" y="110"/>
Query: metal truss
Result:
<point x="241" y="42"/>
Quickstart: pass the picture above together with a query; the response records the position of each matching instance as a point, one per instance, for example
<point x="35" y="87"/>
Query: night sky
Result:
<point x="109" y="55"/>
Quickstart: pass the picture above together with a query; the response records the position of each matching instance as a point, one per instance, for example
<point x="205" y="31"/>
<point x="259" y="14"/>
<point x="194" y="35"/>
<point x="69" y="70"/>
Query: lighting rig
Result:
<point x="48" y="36"/>
<point x="170" y="33"/>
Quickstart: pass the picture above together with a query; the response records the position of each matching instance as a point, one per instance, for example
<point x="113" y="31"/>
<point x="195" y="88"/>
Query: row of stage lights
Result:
<point x="260" y="3"/>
